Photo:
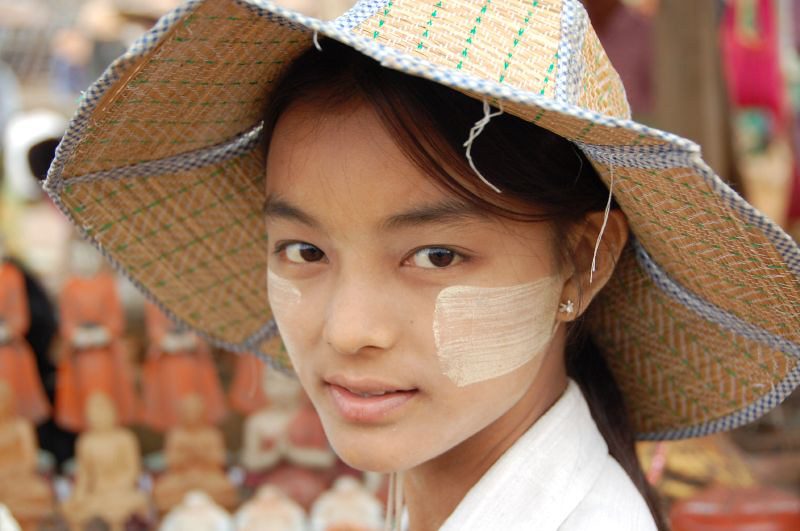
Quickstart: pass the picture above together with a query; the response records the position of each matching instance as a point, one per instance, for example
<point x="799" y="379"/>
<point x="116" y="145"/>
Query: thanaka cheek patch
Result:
<point x="483" y="333"/>
<point x="282" y="294"/>
<point x="284" y="299"/>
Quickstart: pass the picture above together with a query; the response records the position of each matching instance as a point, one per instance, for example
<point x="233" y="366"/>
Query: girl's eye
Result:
<point x="435" y="257"/>
<point x="301" y="253"/>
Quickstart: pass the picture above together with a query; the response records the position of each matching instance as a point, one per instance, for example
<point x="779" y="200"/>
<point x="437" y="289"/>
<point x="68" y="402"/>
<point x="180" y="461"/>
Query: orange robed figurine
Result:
<point x="17" y="364"/>
<point x="92" y="358"/>
<point x="246" y="394"/>
<point x="178" y="365"/>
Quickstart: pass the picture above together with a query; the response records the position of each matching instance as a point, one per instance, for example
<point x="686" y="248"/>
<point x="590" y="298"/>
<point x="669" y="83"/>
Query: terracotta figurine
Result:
<point x="178" y="364"/>
<point x="92" y="358"/>
<point x="284" y="443"/>
<point x="17" y="362"/>
<point x="265" y="432"/>
<point x="108" y="469"/>
<point x="22" y="490"/>
<point x="308" y="446"/>
<point x="195" y="455"/>
<point x="246" y="394"/>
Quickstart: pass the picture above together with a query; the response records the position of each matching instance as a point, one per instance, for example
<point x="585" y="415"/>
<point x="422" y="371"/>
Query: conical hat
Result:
<point x="163" y="169"/>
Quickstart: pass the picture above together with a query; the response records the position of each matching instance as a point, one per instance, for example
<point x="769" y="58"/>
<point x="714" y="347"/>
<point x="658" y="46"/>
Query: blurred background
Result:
<point x="724" y="73"/>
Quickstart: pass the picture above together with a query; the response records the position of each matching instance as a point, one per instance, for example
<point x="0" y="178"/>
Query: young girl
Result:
<point x="486" y="277"/>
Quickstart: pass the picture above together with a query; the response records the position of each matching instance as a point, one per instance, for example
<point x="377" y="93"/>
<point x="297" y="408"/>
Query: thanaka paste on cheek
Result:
<point x="483" y="333"/>
<point x="284" y="300"/>
<point x="281" y="292"/>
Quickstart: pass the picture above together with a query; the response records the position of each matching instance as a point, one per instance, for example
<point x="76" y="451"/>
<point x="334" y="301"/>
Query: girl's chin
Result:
<point x="376" y="457"/>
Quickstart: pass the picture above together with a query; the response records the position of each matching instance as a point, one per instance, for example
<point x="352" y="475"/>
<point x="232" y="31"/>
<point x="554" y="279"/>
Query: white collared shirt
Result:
<point x="557" y="476"/>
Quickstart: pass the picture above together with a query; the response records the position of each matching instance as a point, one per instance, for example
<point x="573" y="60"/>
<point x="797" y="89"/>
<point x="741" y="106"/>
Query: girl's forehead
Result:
<point x="337" y="157"/>
<point x="344" y="160"/>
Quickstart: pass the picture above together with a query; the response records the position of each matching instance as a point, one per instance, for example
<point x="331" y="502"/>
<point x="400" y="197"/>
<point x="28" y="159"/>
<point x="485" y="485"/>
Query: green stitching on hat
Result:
<point x="547" y="77"/>
<point x="382" y="21"/>
<point x="133" y="121"/>
<point x="634" y="338"/>
<point x="517" y="38"/>
<point x="226" y="280"/>
<point x="191" y="243"/>
<point x="726" y="279"/>
<point x="426" y="33"/>
<point x="586" y="130"/>
<point x="472" y="33"/>
<point x="256" y="314"/>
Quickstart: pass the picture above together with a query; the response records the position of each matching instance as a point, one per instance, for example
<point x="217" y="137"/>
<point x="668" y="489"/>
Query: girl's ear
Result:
<point x="582" y="286"/>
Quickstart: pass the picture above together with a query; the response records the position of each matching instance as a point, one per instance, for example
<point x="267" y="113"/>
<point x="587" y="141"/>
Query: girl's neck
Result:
<point x="434" y="489"/>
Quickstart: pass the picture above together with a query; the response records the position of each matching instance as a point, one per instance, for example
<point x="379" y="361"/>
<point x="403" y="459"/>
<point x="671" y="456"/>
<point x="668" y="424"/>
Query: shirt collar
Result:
<point x="542" y="478"/>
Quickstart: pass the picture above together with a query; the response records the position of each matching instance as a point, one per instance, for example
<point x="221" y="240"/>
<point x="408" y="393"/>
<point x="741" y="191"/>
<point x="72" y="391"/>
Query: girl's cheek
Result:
<point x="483" y="333"/>
<point x="285" y="300"/>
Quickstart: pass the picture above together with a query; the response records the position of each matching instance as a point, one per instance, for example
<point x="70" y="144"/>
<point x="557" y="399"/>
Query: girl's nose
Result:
<point x="360" y="317"/>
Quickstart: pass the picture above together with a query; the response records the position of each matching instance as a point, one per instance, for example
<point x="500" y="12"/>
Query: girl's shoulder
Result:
<point x="612" y="504"/>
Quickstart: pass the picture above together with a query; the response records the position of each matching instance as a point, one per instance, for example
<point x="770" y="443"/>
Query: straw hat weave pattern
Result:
<point x="163" y="169"/>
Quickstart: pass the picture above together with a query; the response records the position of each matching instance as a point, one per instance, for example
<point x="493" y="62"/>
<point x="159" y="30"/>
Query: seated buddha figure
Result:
<point x="92" y="358"/>
<point x="178" y="364"/>
<point x="270" y="510"/>
<point x="266" y="430"/>
<point x="22" y="490"/>
<point x="195" y="458"/>
<point x="348" y="506"/>
<point x="17" y="362"/>
<point x="107" y="473"/>
<point x="285" y="444"/>
<point x="307" y="443"/>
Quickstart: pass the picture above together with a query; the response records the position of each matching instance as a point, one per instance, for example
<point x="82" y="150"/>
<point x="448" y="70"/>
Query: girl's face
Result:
<point x="366" y="254"/>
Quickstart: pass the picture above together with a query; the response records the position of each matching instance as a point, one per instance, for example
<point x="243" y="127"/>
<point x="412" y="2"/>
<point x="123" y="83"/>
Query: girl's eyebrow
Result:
<point x="275" y="207"/>
<point x="448" y="211"/>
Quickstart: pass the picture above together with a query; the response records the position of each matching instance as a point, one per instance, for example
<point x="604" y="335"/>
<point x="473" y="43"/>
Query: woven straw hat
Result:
<point x="163" y="169"/>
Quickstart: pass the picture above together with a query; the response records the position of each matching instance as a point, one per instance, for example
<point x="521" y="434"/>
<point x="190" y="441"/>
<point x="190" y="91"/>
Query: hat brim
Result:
<point x="163" y="169"/>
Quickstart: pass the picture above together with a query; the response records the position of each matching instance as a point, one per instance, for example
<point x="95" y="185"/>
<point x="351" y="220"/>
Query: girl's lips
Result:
<point x="366" y="409"/>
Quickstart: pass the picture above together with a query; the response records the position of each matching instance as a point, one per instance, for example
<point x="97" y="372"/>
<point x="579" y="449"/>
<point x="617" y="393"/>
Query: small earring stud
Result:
<point x="566" y="307"/>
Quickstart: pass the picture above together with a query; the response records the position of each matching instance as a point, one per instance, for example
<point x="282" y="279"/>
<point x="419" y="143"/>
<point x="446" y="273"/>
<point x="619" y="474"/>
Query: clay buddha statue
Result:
<point x="246" y="394"/>
<point x="107" y="473"/>
<point x="17" y="362"/>
<point x="348" y="506"/>
<point x="22" y="490"/>
<point x="270" y="510"/>
<point x="178" y="364"/>
<point x="92" y="358"/>
<point x="197" y="512"/>
<point x="284" y="443"/>
<point x="195" y="457"/>
<point x="266" y="430"/>
<point x="307" y="443"/>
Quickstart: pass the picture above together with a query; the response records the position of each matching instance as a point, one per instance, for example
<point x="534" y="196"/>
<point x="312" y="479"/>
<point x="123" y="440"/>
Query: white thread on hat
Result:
<point x="474" y="133"/>
<point x="316" y="40"/>
<point x="603" y="228"/>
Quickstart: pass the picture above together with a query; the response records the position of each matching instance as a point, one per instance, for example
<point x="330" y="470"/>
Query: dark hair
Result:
<point x="543" y="176"/>
<point x="41" y="155"/>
